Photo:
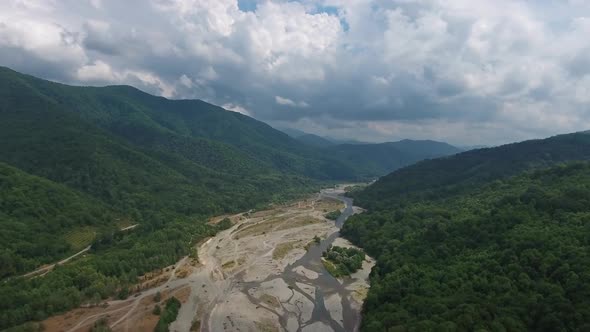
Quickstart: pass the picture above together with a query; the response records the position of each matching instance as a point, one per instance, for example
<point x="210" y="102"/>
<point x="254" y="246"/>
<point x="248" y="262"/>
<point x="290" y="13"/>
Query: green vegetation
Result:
<point x="37" y="217"/>
<point x="447" y="176"/>
<point x="157" y="310"/>
<point x="373" y="160"/>
<point x="109" y="271"/>
<point x="340" y="261"/>
<point x="168" y="315"/>
<point x="224" y="224"/>
<point x="74" y="162"/>
<point x="195" y="326"/>
<point x="77" y="162"/>
<point x="333" y="215"/>
<point x="508" y="255"/>
<point x="283" y="249"/>
<point x="101" y="325"/>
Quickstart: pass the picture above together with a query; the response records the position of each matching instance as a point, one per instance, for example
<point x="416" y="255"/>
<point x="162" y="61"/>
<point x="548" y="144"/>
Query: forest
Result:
<point x="509" y="255"/>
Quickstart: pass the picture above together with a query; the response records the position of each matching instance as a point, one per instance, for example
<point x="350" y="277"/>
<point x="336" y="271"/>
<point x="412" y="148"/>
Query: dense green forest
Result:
<point x="340" y="261"/>
<point x="512" y="254"/>
<point x="35" y="208"/>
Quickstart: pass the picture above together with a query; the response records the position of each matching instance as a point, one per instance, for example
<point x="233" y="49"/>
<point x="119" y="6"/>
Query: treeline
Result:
<point x="511" y="255"/>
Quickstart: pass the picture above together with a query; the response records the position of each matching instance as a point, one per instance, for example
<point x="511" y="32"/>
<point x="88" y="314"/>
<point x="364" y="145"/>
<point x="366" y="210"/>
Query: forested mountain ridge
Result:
<point x="198" y="131"/>
<point x="490" y="239"/>
<point x="510" y="255"/>
<point x="76" y="161"/>
<point x="382" y="158"/>
<point x="448" y="175"/>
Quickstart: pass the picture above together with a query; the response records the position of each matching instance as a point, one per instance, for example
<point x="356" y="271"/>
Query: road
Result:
<point x="45" y="269"/>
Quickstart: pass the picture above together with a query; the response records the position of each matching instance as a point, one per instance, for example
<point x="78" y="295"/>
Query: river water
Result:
<point x="325" y="285"/>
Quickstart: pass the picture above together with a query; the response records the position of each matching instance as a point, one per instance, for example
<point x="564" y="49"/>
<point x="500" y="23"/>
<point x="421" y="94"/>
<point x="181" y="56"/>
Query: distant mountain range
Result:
<point x="441" y="176"/>
<point x="316" y="140"/>
<point x="377" y="158"/>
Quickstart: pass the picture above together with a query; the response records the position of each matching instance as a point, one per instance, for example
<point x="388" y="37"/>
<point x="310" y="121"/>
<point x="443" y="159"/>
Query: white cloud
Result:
<point x="98" y="71"/>
<point x="288" y="102"/>
<point x="391" y="67"/>
<point x="236" y="108"/>
<point x="186" y="81"/>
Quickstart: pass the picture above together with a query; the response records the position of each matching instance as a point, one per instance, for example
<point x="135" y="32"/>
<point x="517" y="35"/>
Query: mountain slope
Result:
<point x="510" y="255"/>
<point x="36" y="217"/>
<point x="195" y="130"/>
<point x="449" y="174"/>
<point x="383" y="158"/>
<point x="483" y="240"/>
<point x="315" y="140"/>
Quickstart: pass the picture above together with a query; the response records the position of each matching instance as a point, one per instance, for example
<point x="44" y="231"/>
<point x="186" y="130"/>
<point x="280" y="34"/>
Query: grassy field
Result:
<point x="283" y="249"/>
<point x="80" y="238"/>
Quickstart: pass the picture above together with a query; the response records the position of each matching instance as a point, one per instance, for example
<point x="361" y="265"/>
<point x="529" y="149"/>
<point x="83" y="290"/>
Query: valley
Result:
<point x="264" y="273"/>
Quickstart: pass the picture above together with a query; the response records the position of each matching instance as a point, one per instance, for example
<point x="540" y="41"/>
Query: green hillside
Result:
<point x="37" y="216"/>
<point x="382" y="158"/>
<point x="77" y="161"/>
<point x="513" y="255"/>
<point x="200" y="132"/>
<point x="448" y="175"/>
<point x="484" y="240"/>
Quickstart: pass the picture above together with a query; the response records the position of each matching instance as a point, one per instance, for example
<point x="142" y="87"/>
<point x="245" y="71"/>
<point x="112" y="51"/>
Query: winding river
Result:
<point x="325" y="285"/>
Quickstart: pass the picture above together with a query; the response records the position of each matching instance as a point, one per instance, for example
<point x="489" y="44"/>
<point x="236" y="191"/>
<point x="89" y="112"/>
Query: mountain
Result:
<point x="382" y="158"/>
<point x="295" y="133"/>
<point x="449" y="174"/>
<point x="315" y="140"/>
<point x="372" y="160"/>
<point x="473" y="147"/>
<point x="510" y="255"/>
<point x="493" y="239"/>
<point x="79" y="163"/>
<point x="199" y="132"/>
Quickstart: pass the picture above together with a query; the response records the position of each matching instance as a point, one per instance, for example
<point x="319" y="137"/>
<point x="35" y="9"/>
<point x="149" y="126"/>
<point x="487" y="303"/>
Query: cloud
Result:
<point x="288" y="102"/>
<point x="484" y="72"/>
<point x="236" y="108"/>
<point x="98" y="71"/>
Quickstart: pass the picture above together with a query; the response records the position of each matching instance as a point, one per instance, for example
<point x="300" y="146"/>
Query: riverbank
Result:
<point x="263" y="273"/>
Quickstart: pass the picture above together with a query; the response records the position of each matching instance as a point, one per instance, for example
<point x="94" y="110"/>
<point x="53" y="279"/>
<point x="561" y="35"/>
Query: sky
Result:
<point x="461" y="71"/>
